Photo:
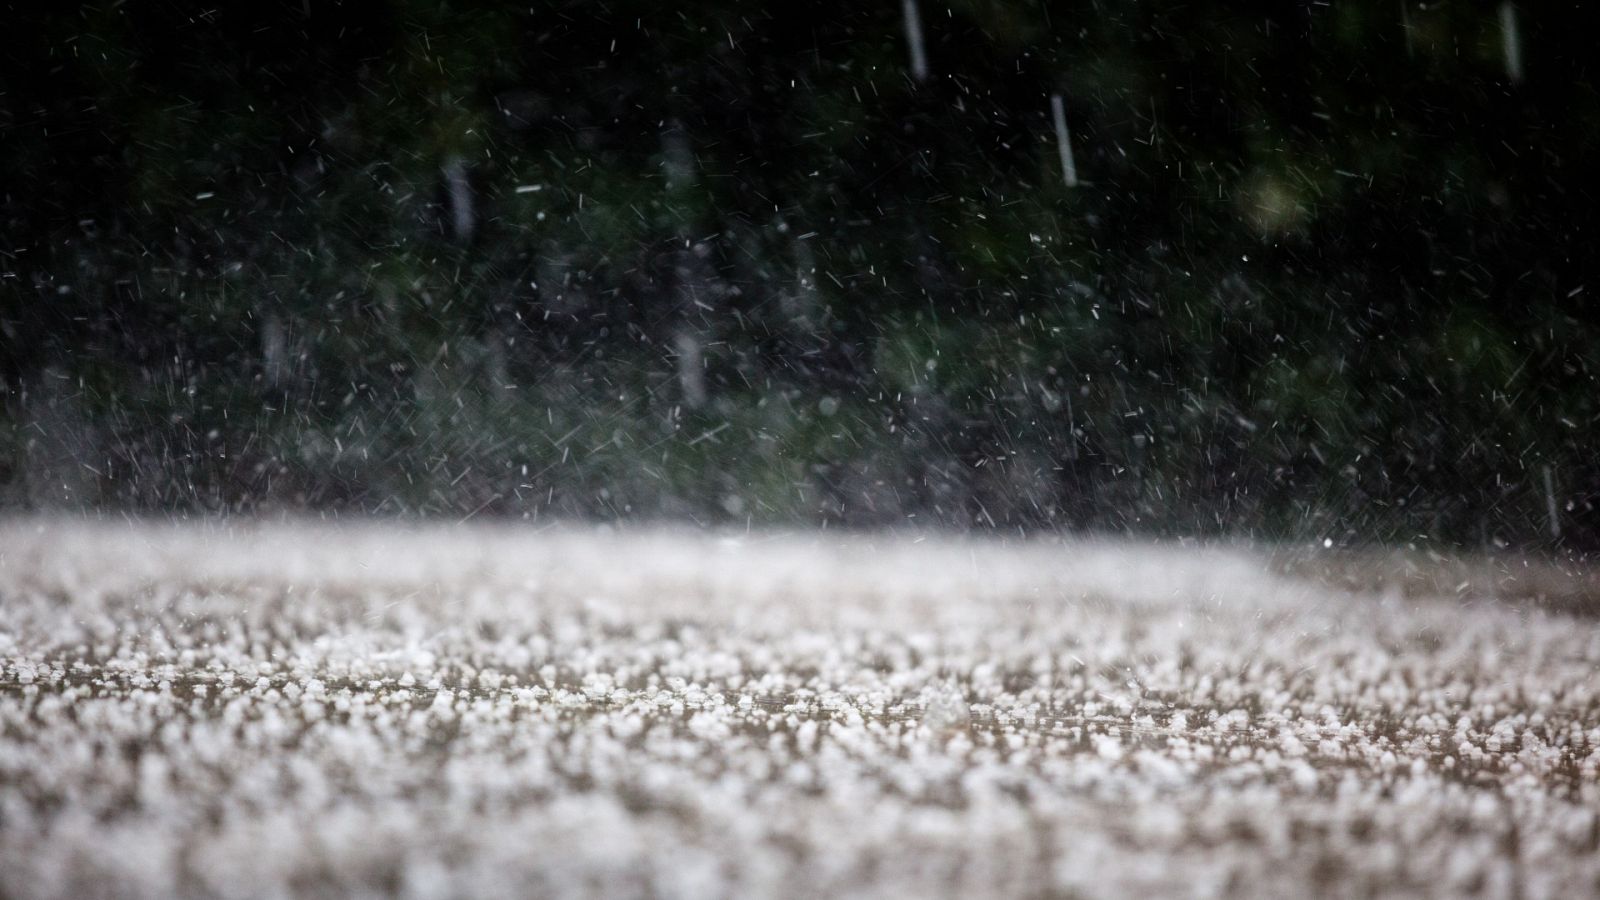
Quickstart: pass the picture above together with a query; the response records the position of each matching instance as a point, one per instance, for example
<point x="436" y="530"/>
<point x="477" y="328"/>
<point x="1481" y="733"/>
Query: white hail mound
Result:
<point x="296" y="710"/>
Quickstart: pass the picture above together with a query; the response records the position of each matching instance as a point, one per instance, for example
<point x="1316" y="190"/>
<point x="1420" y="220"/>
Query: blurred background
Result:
<point x="1286" y="271"/>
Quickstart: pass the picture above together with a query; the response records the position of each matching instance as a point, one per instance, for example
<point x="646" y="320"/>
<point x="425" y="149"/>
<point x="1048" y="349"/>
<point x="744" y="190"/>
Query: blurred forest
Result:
<point x="1322" y="270"/>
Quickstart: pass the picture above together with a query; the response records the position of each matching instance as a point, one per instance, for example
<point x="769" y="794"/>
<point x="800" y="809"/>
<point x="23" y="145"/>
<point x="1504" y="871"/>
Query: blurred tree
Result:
<point x="1324" y="270"/>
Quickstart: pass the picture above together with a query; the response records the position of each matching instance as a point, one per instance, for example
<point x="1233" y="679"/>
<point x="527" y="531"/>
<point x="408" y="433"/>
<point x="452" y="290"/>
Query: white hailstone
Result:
<point x="946" y="710"/>
<point x="1304" y="776"/>
<point x="407" y="680"/>
<point x="1107" y="747"/>
<point x="805" y="736"/>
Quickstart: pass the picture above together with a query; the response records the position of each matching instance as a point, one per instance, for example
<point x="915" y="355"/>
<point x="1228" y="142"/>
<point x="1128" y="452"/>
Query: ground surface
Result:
<point x="309" y="710"/>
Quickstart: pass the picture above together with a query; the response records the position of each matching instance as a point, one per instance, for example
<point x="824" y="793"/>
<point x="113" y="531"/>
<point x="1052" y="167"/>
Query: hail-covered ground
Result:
<point x="309" y="709"/>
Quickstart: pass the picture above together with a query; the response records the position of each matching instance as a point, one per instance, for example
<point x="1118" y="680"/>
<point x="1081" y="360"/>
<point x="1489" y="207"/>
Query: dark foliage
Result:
<point x="1327" y="271"/>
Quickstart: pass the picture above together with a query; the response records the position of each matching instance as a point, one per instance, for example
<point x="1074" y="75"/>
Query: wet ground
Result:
<point x="309" y="710"/>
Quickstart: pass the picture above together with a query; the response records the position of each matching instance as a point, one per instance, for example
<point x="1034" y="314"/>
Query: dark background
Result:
<point x="1327" y="272"/>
